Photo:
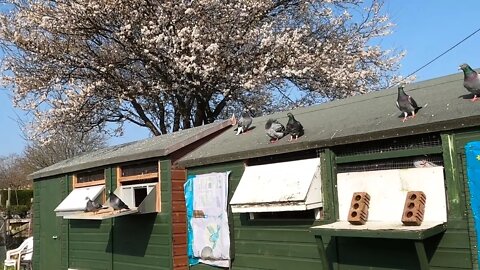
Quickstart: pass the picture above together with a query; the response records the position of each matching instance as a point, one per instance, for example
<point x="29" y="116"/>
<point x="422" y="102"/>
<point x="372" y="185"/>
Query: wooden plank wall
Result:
<point x="264" y="246"/>
<point x="179" y="220"/>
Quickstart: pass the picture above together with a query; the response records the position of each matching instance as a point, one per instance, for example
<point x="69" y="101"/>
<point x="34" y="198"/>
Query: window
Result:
<point x="87" y="184"/>
<point x="138" y="186"/>
<point x="279" y="187"/>
<point x="89" y="178"/>
<point x="313" y="214"/>
<point x="76" y="201"/>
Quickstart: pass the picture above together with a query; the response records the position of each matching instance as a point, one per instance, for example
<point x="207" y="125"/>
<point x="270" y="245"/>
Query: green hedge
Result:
<point x="24" y="197"/>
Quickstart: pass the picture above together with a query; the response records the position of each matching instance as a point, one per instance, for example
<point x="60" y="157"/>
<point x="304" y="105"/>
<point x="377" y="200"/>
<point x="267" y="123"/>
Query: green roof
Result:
<point x="360" y="118"/>
<point x="159" y="146"/>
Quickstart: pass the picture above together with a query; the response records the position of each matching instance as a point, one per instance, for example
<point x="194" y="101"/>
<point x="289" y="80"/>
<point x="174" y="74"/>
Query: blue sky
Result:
<point x="424" y="29"/>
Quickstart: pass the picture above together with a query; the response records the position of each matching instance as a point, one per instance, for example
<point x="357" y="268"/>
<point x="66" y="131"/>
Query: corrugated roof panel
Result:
<point x="367" y="117"/>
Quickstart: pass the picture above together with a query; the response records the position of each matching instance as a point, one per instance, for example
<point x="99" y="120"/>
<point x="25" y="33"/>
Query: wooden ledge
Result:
<point x="378" y="229"/>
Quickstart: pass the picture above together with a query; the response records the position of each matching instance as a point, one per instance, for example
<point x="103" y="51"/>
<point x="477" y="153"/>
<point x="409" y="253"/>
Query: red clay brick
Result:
<point x="358" y="213"/>
<point x="414" y="208"/>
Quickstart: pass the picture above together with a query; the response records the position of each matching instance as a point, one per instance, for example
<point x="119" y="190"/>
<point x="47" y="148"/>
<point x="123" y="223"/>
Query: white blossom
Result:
<point x="170" y="65"/>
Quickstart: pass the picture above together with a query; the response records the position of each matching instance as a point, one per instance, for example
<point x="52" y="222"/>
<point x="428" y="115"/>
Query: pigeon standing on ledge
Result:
<point x="92" y="206"/>
<point x="471" y="80"/>
<point x="294" y="128"/>
<point x="115" y="202"/>
<point x="244" y="122"/>
<point x="406" y="104"/>
<point x="274" y="130"/>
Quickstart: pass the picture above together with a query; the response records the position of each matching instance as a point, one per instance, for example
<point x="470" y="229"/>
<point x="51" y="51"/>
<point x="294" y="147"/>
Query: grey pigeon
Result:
<point x="115" y="202"/>
<point x="471" y="80"/>
<point x="92" y="206"/>
<point x="274" y="130"/>
<point x="406" y="104"/>
<point x="294" y="128"/>
<point x="244" y="122"/>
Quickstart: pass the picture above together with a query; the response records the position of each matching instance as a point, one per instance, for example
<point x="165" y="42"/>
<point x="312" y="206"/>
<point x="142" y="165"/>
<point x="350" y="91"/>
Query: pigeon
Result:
<point x="423" y="163"/>
<point x="471" y="80"/>
<point x="92" y="206"/>
<point x="406" y="104"/>
<point x="274" y="129"/>
<point x="244" y="122"/>
<point x="294" y="128"/>
<point x="116" y="203"/>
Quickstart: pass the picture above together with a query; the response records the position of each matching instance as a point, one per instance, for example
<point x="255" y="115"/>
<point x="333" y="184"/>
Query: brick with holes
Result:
<point x="414" y="208"/>
<point x="358" y="213"/>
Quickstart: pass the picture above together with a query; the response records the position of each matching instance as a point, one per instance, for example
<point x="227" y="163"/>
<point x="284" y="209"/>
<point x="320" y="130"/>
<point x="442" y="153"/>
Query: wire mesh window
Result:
<point x="311" y="214"/>
<point x="394" y="163"/>
<point x="387" y="145"/>
<point x="91" y="176"/>
<point x="139" y="169"/>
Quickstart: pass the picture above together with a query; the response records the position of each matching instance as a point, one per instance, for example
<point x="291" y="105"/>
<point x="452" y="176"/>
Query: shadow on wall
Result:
<point x="130" y="235"/>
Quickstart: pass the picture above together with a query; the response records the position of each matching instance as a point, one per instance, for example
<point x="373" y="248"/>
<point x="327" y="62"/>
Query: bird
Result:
<point x="274" y="129"/>
<point x="244" y="122"/>
<point x="423" y="163"/>
<point x="116" y="203"/>
<point x="471" y="81"/>
<point x="92" y="206"/>
<point x="294" y="128"/>
<point x="406" y="104"/>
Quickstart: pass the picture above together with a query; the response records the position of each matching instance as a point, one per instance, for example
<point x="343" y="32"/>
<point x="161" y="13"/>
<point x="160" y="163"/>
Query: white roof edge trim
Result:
<point x="76" y="199"/>
<point x="283" y="186"/>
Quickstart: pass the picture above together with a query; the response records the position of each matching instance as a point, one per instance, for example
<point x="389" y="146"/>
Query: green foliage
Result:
<point x="24" y="197"/>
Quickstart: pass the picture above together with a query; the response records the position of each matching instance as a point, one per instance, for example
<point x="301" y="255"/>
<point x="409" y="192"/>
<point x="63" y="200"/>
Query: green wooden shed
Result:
<point x="150" y="235"/>
<point x="284" y="214"/>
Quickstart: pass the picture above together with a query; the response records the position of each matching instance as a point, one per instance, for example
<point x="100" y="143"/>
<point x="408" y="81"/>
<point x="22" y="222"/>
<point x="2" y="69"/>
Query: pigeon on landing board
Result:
<point x="471" y="81"/>
<point x="244" y="122"/>
<point x="92" y="206"/>
<point x="274" y="129"/>
<point x="294" y="128"/>
<point x="406" y="104"/>
<point x="116" y="203"/>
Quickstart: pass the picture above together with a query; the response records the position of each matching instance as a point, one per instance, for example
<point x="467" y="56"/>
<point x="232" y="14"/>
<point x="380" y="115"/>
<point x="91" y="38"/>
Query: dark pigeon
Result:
<point x="406" y="104"/>
<point x="274" y="130"/>
<point x="471" y="81"/>
<point x="92" y="206"/>
<point x="294" y="128"/>
<point x="244" y="122"/>
<point x="116" y="203"/>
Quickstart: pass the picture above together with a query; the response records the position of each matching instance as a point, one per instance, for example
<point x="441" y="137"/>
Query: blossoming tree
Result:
<point x="168" y="65"/>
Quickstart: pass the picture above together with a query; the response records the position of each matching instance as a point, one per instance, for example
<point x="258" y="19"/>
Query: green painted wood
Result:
<point x="145" y="241"/>
<point x="391" y="154"/>
<point x="421" y="255"/>
<point x="272" y="244"/>
<point x="323" y="252"/>
<point x="47" y="249"/>
<point x="328" y="185"/>
<point x="455" y="194"/>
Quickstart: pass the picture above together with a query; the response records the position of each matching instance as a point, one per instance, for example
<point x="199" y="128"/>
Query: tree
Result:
<point x="12" y="172"/>
<point x="38" y="155"/>
<point x="14" y="169"/>
<point x="169" y="65"/>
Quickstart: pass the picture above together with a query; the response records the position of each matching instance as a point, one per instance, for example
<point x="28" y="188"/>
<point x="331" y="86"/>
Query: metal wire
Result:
<point x="404" y="143"/>
<point x="388" y="164"/>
